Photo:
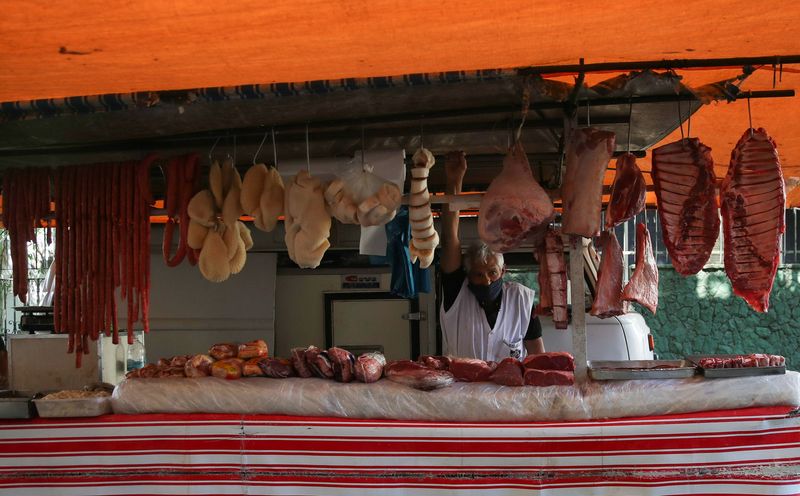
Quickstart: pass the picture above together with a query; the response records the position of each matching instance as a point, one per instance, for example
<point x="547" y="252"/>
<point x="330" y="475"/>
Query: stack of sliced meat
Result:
<point x="684" y="181"/>
<point x="553" y="279"/>
<point x="549" y="369"/>
<point x="587" y="153"/>
<point x="643" y="285"/>
<point x="515" y="206"/>
<point x="628" y="192"/>
<point x="752" y="199"/>
<point x="608" y="301"/>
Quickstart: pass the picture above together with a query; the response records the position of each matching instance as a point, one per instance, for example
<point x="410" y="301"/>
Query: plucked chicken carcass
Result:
<point x="263" y="196"/>
<point x="515" y="206"/>
<point x="215" y="228"/>
<point x="424" y="238"/>
<point x="684" y="182"/>
<point x="608" y="301"/>
<point x="308" y="223"/>
<point x="588" y="152"/>
<point x="553" y="279"/>
<point x="752" y="200"/>
<point x="643" y="286"/>
<point x="628" y="192"/>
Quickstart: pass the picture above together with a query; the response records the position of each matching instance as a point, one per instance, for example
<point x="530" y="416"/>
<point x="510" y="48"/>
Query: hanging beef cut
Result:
<point x="643" y="286"/>
<point x="608" y="301"/>
<point x="515" y="206"/>
<point x="587" y="153"/>
<point x="684" y="181"/>
<point x="628" y="192"/>
<point x="752" y="199"/>
<point x="553" y="279"/>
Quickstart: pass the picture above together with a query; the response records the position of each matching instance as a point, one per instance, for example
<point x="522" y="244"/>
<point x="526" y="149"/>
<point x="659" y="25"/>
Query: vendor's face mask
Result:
<point x="486" y="294"/>
<point x="485" y="281"/>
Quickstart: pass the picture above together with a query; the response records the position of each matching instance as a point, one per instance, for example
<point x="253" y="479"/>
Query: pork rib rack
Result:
<point x="684" y="180"/>
<point x="752" y="200"/>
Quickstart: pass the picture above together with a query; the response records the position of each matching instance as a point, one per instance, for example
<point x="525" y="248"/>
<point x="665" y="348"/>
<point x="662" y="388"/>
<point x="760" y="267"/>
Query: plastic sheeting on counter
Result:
<point x="460" y="402"/>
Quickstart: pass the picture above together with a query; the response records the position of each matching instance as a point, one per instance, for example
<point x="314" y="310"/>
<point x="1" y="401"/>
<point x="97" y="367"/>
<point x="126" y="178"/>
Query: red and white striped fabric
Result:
<point x="753" y="451"/>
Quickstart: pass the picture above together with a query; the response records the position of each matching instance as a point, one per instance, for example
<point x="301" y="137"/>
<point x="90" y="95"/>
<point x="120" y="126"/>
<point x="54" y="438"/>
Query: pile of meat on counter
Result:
<point x="232" y="361"/>
<point x="742" y="361"/>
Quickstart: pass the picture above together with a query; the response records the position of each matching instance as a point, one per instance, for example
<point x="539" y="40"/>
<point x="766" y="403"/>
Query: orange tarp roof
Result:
<point x="50" y="50"/>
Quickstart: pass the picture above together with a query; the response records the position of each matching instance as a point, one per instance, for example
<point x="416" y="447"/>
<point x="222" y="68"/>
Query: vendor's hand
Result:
<point x="455" y="166"/>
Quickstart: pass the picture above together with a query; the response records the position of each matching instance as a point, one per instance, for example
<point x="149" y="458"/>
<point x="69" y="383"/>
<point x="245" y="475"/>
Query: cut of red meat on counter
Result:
<point x="342" y="361"/>
<point x="587" y="153"/>
<point x="544" y="378"/>
<point x="470" y="369"/>
<point x="552" y="360"/>
<point x="752" y="200"/>
<point x="508" y="373"/>
<point x="515" y="206"/>
<point x="299" y="363"/>
<point x="416" y="375"/>
<point x="628" y="192"/>
<point x="369" y="367"/>
<point x="608" y="301"/>
<point x="684" y="182"/>
<point x="643" y="286"/>
<point x="435" y="361"/>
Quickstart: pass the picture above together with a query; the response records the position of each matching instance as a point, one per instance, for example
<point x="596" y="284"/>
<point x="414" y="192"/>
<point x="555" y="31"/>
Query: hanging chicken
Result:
<point x="215" y="228"/>
<point x="263" y="196"/>
<point x="307" y="222"/>
<point x="424" y="238"/>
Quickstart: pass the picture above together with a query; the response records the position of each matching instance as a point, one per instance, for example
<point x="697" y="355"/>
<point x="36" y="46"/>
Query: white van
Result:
<point x="626" y="337"/>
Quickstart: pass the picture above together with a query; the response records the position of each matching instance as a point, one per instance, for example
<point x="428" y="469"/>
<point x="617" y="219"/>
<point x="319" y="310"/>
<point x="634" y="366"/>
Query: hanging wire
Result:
<point x="630" y="117"/>
<point x="749" y="114"/>
<point x="308" y="153"/>
<point x="526" y="104"/>
<point x="689" y="122"/>
<point x="234" y="150"/>
<point x="680" y="117"/>
<point x="421" y="131"/>
<point x="274" y="149"/>
<point x="211" y="152"/>
<point x="259" y="148"/>
<point x="363" y="147"/>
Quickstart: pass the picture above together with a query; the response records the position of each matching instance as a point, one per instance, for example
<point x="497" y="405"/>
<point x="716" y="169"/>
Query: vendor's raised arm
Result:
<point x="455" y="167"/>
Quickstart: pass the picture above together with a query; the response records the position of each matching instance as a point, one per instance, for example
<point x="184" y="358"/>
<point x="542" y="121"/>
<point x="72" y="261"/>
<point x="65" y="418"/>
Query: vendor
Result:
<point x="481" y="316"/>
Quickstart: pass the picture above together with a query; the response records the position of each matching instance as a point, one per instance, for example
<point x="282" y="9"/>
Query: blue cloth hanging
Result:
<point x="407" y="279"/>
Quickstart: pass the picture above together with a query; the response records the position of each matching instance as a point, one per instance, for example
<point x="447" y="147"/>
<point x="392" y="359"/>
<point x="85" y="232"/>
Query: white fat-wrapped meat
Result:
<point x="515" y="206"/>
<point x="214" y="262"/>
<point x="588" y="152"/>
<point x="340" y="204"/>
<point x="424" y="238"/>
<point x="307" y="222"/>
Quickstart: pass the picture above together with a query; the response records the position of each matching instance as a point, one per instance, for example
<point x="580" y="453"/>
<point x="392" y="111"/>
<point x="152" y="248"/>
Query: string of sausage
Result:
<point x="182" y="180"/>
<point x="102" y="243"/>
<point x="26" y="205"/>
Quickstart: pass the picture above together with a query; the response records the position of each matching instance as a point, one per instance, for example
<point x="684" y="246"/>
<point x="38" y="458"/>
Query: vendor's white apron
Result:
<point x="466" y="333"/>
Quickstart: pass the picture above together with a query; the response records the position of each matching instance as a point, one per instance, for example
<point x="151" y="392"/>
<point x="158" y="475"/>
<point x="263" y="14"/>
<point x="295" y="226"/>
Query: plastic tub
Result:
<point x="77" y="407"/>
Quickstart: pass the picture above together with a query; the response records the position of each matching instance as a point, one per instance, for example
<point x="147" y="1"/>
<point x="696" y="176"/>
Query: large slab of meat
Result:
<point x="643" y="286"/>
<point x="752" y="200"/>
<point x="470" y="369"/>
<point x="508" y="373"/>
<point x="684" y="181"/>
<point x="515" y="206"/>
<point x="307" y="222"/>
<point x="608" y="301"/>
<point x="416" y="375"/>
<point x="369" y="367"/>
<point x="552" y="360"/>
<point x="553" y="279"/>
<point x="628" y="192"/>
<point x="545" y="378"/>
<point x="588" y="152"/>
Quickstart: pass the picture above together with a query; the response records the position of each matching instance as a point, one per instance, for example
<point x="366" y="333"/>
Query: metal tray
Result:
<point x="16" y="405"/>
<point x="738" y="372"/>
<point x="623" y="370"/>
